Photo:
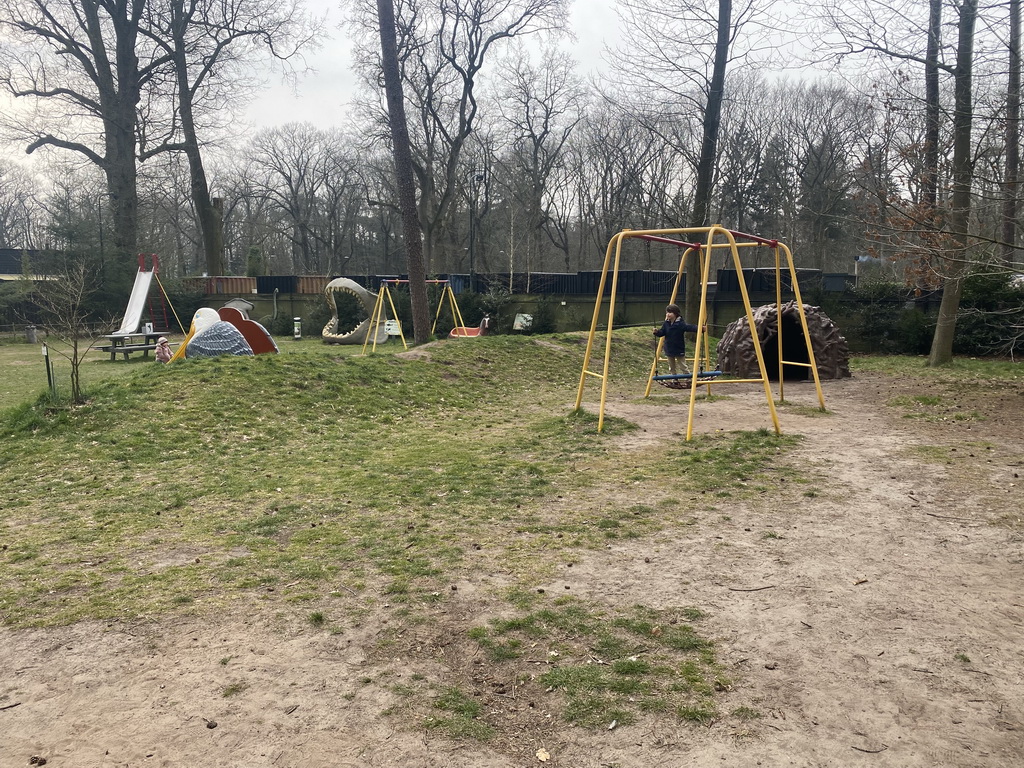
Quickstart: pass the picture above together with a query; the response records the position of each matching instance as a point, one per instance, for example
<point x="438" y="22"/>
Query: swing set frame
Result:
<point x="379" y="316"/>
<point x="705" y="241"/>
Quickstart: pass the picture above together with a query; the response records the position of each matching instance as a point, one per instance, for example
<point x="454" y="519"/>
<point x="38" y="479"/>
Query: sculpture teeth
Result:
<point x="368" y="300"/>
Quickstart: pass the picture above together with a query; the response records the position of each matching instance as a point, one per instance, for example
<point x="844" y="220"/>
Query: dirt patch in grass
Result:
<point x="863" y="604"/>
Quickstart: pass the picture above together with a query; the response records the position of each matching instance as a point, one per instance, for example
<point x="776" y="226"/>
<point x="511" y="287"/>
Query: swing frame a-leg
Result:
<point x="378" y="317"/>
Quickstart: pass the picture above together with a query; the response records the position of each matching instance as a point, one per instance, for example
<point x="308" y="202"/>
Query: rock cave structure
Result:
<point x="736" y="355"/>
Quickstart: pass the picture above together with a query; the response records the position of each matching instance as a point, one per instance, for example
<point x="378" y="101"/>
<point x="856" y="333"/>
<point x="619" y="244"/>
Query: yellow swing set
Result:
<point x="379" y="317"/>
<point x="705" y="241"/>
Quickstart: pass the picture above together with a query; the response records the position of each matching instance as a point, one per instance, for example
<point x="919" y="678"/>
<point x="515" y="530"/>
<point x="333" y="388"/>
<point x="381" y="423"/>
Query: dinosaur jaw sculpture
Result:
<point x="332" y="334"/>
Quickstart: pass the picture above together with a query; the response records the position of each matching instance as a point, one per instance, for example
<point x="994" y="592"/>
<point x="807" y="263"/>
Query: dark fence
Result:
<point x="634" y="282"/>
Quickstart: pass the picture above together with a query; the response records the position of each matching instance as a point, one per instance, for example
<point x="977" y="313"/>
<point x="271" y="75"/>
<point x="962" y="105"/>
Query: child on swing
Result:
<point x="675" y="344"/>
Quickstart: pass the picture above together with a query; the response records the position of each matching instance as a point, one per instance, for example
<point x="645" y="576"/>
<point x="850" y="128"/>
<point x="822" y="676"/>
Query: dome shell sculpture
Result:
<point x="737" y="357"/>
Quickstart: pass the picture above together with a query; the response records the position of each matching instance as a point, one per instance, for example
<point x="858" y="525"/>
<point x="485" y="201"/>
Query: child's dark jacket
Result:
<point x="675" y="342"/>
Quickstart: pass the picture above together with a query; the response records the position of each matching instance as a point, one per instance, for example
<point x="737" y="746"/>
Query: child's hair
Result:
<point x="674" y="309"/>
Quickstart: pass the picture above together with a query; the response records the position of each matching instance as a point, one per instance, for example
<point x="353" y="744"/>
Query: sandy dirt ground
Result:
<point x="874" y="620"/>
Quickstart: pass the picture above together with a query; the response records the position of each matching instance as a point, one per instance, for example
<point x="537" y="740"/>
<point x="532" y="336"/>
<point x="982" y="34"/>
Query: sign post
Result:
<point x="49" y="371"/>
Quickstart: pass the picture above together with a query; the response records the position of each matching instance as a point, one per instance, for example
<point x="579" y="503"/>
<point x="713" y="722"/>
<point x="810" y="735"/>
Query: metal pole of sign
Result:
<point x="49" y="371"/>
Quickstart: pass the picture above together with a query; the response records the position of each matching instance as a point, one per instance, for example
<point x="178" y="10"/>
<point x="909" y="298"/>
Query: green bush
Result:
<point x="497" y="303"/>
<point x="887" y="318"/>
<point x="871" y="318"/>
<point x="544" y="316"/>
<point x="316" y="318"/>
<point x="990" y="317"/>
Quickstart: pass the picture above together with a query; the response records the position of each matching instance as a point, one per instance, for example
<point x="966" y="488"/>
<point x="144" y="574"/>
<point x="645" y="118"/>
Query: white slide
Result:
<point x="136" y="303"/>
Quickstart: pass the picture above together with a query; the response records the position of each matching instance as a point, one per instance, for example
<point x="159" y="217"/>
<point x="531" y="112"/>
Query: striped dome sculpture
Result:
<point x="212" y="335"/>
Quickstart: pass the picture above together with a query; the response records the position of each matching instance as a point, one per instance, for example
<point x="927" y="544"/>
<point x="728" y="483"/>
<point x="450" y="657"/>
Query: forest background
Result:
<point x="874" y="131"/>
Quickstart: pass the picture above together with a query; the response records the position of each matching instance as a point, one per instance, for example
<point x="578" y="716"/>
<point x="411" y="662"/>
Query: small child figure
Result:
<point x="675" y="343"/>
<point x="163" y="350"/>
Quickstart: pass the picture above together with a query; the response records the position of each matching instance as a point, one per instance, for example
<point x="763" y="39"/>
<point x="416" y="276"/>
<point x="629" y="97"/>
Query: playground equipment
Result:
<point x="460" y="329"/>
<point x="331" y="333"/>
<point x="378" y="316"/>
<point x="256" y="336"/>
<point x="379" y="320"/>
<point x="128" y="338"/>
<point x="211" y="335"/>
<point x="461" y="332"/>
<point x="681" y="380"/>
<point x="831" y="352"/>
<point x="714" y="238"/>
<point x="139" y="297"/>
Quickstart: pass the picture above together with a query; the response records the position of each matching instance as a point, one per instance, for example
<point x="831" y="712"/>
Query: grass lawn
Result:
<point x="24" y="368"/>
<point x="321" y="475"/>
<point x="325" y="482"/>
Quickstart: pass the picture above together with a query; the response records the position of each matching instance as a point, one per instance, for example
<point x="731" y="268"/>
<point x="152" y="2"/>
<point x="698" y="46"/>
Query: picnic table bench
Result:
<point x="126" y="343"/>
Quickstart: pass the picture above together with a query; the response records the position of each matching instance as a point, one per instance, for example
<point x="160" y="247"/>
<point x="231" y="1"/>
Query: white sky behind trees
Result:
<point x="321" y="96"/>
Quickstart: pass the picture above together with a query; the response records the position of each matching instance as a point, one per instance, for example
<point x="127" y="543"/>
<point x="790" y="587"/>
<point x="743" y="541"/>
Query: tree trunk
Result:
<point x="1011" y="184"/>
<point x="206" y="211"/>
<point x="708" y="151"/>
<point x="404" y="181"/>
<point x="932" y="109"/>
<point x="960" y="204"/>
<point x="122" y="189"/>
<point x="118" y="85"/>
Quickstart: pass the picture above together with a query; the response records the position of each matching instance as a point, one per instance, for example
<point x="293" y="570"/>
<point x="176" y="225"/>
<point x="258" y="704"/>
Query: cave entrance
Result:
<point x="794" y="351"/>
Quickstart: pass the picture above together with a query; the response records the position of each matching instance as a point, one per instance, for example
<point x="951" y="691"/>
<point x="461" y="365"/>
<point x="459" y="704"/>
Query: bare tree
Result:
<point x="252" y="222"/>
<point x="211" y="47"/>
<point x="541" y="105"/>
<point x="879" y="31"/>
<point x="960" y="203"/>
<point x="824" y="123"/>
<point x="287" y="167"/>
<point x="443" y="48"/>
<point x="19" y="206"/>
<point x="87" y="68"/>
<point x="1011" y="182"/>
<point x="624" y="175"/>
<point x="749" y="120"/>
<point x="682" y="73"/>
<point x="404" y="180"/>
<point x="342" y="204"/>
<point x="63" y="303"/>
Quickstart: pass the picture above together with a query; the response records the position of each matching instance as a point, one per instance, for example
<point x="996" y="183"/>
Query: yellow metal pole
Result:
<point x="778" y="318"/>
<point x="456" y="313"/>
<point x="370" y="330"/>
<point x="179" y="353"/>
<point x="373" y="320"/>
<point x="661" y="340"/>
<point x="608" y="333"/>
<point x="168" y="300"/>
<point x="753" y="333"/>
<point x="702" y="317"/>
<point x="803" y="324"/>
<point x="704" y="326"/>
<point x="593" y="323"/>
<point x="440" y="304"/>
<point x="394" y="311"/>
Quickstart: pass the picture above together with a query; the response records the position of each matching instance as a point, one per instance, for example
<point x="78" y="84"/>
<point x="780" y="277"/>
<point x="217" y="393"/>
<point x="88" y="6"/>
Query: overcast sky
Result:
<point x="322" y="96"/>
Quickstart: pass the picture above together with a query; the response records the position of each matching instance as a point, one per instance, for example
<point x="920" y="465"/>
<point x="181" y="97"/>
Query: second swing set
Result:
<point x="378" y="317"/>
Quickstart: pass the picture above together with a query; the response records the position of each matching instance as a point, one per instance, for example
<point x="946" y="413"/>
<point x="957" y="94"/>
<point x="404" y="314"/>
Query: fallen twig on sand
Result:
<point x="870" y="751"/>
<point x="951" y="517"/>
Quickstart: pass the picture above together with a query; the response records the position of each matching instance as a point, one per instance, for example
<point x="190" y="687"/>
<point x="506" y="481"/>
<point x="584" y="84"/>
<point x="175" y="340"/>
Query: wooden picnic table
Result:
<point x="126" y="343"/>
